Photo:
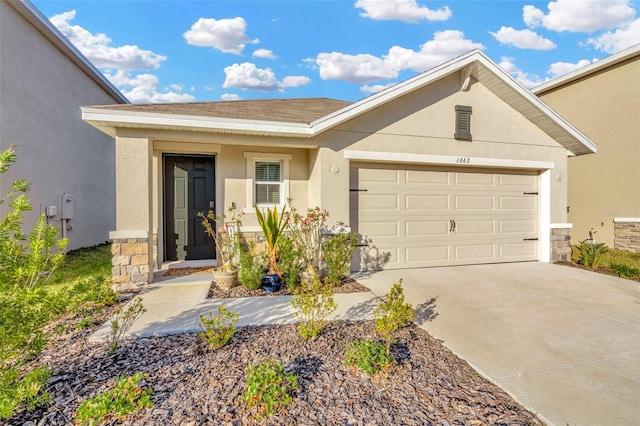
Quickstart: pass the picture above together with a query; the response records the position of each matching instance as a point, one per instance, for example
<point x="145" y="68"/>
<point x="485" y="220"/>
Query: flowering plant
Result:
<point x="226" y="236"/>
<point x="307" y="235"/>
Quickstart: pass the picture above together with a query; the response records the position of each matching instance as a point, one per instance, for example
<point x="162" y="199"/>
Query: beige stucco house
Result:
<point x="603" y="101"/>
<point x="71" y="165"/>
<point x="458" y="165"/>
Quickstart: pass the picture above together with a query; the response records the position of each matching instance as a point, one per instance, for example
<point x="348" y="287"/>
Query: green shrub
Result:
<point x="368" y="356"/>
<point x="251" y="270"/>
<point x="590" y="255"/>
<point x="290" y="263"/>
<point x="123" y="321"/>
<point x="337" y="256"/>
<point x="392" y="313"/>
<point x="313" y="303"/>
<point x="127" y="397"/>
<point x="624" y="271"/>
<point x="219" y="330"/>
<point x="269" y="387"/>
<point x="28" y="389"/>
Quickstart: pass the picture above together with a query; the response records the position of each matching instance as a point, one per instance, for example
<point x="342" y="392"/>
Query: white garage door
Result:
<point x="445" y="216"/>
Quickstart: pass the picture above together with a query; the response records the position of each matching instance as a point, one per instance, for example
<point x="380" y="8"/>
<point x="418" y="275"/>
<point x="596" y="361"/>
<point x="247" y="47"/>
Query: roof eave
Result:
<point x="103" y="119"/>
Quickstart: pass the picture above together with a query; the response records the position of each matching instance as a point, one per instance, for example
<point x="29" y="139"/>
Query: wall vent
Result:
<point x="463" y="123"/>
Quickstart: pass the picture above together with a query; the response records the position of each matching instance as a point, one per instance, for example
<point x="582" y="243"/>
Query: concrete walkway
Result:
<point x="563" y="342"/>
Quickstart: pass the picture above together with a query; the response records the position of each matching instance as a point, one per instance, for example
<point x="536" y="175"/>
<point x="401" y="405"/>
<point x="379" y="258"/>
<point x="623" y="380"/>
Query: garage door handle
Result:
<point x="531" y="239"/>
<point x="357" y="190"/>
<point x="452" y="225"/>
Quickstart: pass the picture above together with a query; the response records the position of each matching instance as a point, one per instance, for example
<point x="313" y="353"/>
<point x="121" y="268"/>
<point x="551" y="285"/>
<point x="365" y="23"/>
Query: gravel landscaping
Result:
<point x="194" y="385"/>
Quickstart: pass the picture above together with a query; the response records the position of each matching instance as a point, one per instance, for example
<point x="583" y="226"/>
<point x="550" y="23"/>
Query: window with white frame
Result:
<point x="267" y="179"/>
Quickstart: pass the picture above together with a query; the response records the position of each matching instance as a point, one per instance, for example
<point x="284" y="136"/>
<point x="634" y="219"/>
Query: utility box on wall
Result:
<point x="67" y="206"/>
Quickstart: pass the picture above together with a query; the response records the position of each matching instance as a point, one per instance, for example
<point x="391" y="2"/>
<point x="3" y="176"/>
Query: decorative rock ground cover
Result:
<point x="194" y="385"/>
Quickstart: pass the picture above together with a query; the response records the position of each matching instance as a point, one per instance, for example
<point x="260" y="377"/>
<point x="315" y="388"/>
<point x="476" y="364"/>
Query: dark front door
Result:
<point x="189" y="188"/>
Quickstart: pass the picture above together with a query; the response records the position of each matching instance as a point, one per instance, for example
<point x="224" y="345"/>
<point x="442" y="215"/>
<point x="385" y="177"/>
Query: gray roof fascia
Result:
<point x="42" y="24"/>
<point x="585" y="71"/>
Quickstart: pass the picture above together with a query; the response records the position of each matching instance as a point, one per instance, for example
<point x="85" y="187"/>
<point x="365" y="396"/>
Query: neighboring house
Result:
<point x="603" y="101"/>
<point x="71" y="166"/>
<point x="458" y="165"/>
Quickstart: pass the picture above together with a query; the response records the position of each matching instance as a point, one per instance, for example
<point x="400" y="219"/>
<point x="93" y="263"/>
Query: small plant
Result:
<point x="126" y="398"/>
<point x="26" y="390"/>
<point x="251" y="270"/>
<point x="290" y="263"/>
<point x="368" y="356"/>
<point x="313" y="303"/>
<point x="273" y="226"/>
<point x="269" y="387"/>
<point x="624" y="271"/>
<point x="124" y="319"/>
<point x="392" y="313"/>
<point x="306" y="232"/>
<point x="590" y="254"/>
<point x="337" y="255"/>
<point x="227" y="237"/>
<point x="84" y="323"/>
<point x="219" y="330"/>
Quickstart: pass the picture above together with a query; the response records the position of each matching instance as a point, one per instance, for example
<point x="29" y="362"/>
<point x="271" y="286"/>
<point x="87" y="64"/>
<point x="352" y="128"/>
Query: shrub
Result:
<point x="122" y="322"/>
<point x="219" y="330"/>
<point x="28" y="389"/>
<point x="392" y="313"/>
<point x="269" y="387"/>
<point x="589" y="254"/>
<point x="126" y="398"/>
<point x="251" y="270"/>
<point x="624" y="271"/>
<point x="368" y="356"/>
<point x="337" y="255"/>
<point x="313" y="303"/>
<point x="290" y="263"/>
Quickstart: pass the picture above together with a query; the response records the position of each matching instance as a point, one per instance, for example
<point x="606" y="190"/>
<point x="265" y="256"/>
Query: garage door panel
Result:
<point x="427" y="228"/>
<point x="474" y="202"/>
<point x="520" y="227"/>
<point x="380" y="228"/>
<point x="444" y="216"/>
<point x="379" y="202"/>
<point x="518" y="250"/>
<point x="432" y="203"/>
<point x="515" y="202"/>
<point x="475" y="227"/>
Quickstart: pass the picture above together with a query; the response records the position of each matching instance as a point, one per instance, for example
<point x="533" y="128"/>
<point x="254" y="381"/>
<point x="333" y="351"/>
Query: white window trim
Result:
<point x="252" y="158"/>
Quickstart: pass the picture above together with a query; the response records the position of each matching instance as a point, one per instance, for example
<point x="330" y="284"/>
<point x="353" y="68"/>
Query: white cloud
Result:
<point x="522" y="39"/>
<point x="561" y="68"/>
<point x="402" y="10"/>
<point x="366" y="68"/>
<point x="226" y="35"/>
<point x="144" y="89"/>
<point x="614" y="41"/>
<point x="97" y="48"/>
<point x="295" y="81"/>
<point x="375" y="88"/>
<point x="579" y="15"/>
<point x="527" y="80"/>
<point x="248" y="76"/>
<point x="230" y="97"/>
<point x="264" y="53"/>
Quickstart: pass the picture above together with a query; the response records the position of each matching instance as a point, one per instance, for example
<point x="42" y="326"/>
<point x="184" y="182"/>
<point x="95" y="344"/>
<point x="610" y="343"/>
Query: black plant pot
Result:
<point x="270" y="283"/>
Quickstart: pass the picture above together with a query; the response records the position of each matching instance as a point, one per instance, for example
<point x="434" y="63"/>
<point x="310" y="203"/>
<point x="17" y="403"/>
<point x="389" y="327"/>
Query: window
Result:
<point x="463" y="123"/>
<point x="267" y="182"/>
<point x="267" y="179"/>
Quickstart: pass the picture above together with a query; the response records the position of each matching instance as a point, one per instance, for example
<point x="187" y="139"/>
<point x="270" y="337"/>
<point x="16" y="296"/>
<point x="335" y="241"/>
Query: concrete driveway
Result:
<point x="564" y="342"/>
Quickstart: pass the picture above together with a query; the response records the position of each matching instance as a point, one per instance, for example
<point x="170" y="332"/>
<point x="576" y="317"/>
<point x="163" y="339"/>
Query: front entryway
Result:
<point x="189" y="188"/>
<point x="437" y="216"/>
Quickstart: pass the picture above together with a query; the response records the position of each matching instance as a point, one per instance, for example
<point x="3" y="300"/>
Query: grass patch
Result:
<point x="622" y="257"/>
<point x="83" y="263"/>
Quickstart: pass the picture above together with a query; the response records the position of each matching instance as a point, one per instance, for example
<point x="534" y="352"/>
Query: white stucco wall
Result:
<point x="41" y="92"/>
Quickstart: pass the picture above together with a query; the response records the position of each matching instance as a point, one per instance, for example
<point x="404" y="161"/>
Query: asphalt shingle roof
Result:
<point x="303" y="110"/>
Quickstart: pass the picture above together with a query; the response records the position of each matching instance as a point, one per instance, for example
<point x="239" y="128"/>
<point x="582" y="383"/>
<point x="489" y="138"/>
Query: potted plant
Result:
<point x="273" y="226"/>
<point x="307" y="235"/>
<point x="226" y="234"/>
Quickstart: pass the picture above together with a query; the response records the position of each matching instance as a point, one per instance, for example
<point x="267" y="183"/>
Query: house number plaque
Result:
<point x="463" y="160"/>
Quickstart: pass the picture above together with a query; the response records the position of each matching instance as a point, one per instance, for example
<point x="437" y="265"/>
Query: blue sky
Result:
<point x="186" y="51"/>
